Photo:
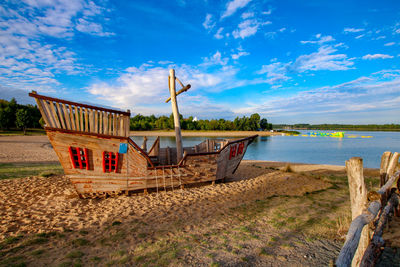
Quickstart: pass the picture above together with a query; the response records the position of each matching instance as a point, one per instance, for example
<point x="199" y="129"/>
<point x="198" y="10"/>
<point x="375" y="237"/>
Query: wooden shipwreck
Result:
<point x="97" y="155"/>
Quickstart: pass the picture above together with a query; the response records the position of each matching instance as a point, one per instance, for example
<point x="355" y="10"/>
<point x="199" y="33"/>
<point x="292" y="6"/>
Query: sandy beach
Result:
<point x="263" y="215"/>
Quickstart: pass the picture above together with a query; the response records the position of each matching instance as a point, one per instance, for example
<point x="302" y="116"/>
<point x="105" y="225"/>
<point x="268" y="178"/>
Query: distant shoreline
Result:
<point x="204" y="133"/>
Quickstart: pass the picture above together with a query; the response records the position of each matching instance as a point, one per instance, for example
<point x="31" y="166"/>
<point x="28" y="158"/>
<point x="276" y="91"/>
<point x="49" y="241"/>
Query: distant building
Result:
<point x="195" y="119"/>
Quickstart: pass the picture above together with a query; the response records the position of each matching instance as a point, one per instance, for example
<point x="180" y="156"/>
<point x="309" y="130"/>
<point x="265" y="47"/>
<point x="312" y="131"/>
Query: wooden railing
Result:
<point x="359" y="249"/>
<point x="67" y="115"/>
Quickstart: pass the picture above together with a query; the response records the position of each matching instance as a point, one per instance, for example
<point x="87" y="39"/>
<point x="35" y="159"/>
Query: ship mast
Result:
<point x="175" y="111"/>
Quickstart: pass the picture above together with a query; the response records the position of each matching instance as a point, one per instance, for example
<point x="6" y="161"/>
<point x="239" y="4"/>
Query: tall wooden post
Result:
<point x="358" y="200"/>
<point x="175" y="111"/>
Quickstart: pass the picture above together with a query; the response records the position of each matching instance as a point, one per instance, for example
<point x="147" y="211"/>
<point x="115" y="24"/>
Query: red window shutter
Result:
<point x="79" y="157"/>
<point x="110" y="161"/>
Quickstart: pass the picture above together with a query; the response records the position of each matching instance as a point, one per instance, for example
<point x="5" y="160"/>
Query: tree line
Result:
<point x="252" y="123"/>
<point x="14" y="115"/>
<point x="341" y="127"/>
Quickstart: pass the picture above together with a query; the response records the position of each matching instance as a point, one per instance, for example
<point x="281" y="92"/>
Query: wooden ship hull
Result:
<point x="99" y="158"/>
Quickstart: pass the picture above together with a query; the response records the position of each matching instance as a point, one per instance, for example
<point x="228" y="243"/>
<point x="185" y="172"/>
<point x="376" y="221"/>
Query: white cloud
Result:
<point x="319" y="40"/>
<point x="276" y="72"/>
<point x="218" y="35"/>
<point x="28" y="62"/>
<point x="248" y="28"/>
<point x="247" y="15"/>
<point x="324" y="59"/>
<point x="351" y="30"/>
<point x="215" y="59"/>
<point x="91" y="28"/>
<point x="268" y="12"/>
<point x="371" y="97"/>
<point x="376" y="56"/>
<point x="270" y="35"/>
<point x="233" y="6"/>
<point x="208" y="22"/>
<point x="239" y="54"/>
<point x="360" y="36"/>
<point x="390" y="44"/>
<point x="147" y="84"/>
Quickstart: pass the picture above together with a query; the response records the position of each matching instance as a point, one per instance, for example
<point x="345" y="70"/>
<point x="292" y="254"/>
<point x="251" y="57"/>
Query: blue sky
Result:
<point x="290" y="61"/>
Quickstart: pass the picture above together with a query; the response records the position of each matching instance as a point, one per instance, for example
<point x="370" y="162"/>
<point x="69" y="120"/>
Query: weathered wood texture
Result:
<point x="175" y="112"/>
<point x="373" y="251"/>
<point x="358" y="200"/>
<point x="358" y="191"/>
<point x="353" y="236"/>
<point x="155" y="148"/>
<point x="68" y="115"/>
<point x="95" y="145"/>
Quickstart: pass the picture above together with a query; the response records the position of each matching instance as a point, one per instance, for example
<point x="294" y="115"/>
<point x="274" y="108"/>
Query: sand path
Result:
<point x="37" y="204"/>
<point x="35" y="148"/>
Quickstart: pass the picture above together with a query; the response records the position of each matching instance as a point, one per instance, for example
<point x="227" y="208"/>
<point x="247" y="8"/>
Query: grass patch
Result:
<point x="12" y="239"/>
<point x="80" y="242"/>
<point x="95" y="259"/>
<point x="13" y="261"/>
<point x="37" y="252"/>
<point x="19" y="170"/>
<point x="19" y="132"/>
<point x="36" y="241"/>
<point x="75" y="254"/>
<point x="288" y="168"/>
<point x="83" y="232"/>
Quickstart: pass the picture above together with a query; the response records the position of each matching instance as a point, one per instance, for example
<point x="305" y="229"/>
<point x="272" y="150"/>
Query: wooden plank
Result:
<point x="67" y="117"/>
<point x="71" y="114"/>
<point x="81" y="118"/>
<point x="91" y="121"/>
<point x="101" y="122"/>
<point x="60" y="115"/>
<point x="77" y="104"/>
<point x="41" y="109"/>
<point x="48" y="113"/>
<point x="121" y="125"/>
<point x="86" y="120"/>
<point x="77" y="124"/>
<point x="115" y="131"/>
<point x="96" y="121"/>
<point x="54" y="114"/>
<point x="110" y="124"/>
<point x="127" y="126"/>
<point x="105" y="114"/>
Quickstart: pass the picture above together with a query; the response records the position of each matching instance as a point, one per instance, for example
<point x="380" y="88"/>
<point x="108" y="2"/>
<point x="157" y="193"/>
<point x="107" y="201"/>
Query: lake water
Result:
<point x="316" y="150"/>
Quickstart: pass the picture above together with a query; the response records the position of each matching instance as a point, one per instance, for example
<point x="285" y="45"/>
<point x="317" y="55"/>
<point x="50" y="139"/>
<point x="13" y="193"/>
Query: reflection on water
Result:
<point x="317" y="150"/>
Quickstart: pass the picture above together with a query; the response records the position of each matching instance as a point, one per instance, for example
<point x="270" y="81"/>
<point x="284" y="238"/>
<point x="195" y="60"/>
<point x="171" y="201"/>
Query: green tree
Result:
<point x="265" y="125"/>
<point x="6" y="118"/>
<point x="23" y="119"/>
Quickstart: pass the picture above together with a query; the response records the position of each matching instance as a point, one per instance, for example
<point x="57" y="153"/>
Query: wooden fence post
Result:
<point x="358" y="200"/>
<point x="383" y="172"/>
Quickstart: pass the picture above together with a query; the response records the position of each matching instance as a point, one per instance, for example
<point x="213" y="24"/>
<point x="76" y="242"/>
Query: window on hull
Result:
<point x="110" y="161"/>
<point x="79" y="157"/>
